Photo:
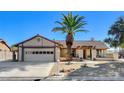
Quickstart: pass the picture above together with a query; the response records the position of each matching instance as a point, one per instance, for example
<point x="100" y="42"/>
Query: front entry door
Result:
<point x="84" y="53"/>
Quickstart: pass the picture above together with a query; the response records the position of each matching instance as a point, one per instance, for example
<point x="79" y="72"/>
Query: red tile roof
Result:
<point x="96" y="44"/>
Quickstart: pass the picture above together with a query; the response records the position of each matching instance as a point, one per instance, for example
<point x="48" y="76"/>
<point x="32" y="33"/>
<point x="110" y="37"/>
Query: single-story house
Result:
<point x="89" y="49"/>
<point x="39" y="48"/>
<point x="5" y="51"/>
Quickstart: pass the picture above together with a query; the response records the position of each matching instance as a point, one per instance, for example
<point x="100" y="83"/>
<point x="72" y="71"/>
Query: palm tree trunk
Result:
<point x="69" y="43"/>
<point x="69" y="56"/>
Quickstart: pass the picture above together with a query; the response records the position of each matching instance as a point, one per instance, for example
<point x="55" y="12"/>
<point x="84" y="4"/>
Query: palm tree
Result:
<point x="70" y="25"/>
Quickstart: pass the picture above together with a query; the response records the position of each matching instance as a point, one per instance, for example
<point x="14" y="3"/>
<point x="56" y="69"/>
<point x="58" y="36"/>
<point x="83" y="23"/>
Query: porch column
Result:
<point x="93" y="54"/>
<point x="57" y="54"/>
<point x="54" y="53"/>
<point x="22" y="54"/>
<point x="80" y="53"/>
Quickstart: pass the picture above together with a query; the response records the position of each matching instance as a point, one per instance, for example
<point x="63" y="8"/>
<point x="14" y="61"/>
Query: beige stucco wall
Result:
<point x="63" y="52"/>
<point x="35" y="42"/>
<point x="5" y="53"/>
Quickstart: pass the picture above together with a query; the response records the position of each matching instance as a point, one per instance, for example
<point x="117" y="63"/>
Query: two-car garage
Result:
<point x="38" y="48"/>
<point x="39" y="54"/>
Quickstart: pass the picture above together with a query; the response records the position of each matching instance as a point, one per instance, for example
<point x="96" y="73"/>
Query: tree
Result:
<point x="111" y="42"/>
<point x="70" y="25"/>
<point x="116" y="33"/>
<point x="122" y="45"/>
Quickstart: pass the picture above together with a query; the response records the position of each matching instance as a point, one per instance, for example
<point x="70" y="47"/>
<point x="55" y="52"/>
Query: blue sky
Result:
<point x="18" y="26"/>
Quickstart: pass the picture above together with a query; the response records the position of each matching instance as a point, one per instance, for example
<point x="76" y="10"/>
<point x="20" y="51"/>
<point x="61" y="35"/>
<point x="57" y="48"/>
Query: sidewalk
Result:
<point x="78" y="78"/>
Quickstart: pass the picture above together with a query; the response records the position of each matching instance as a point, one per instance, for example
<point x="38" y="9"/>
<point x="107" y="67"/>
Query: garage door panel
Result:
<point x="37" y="54"/>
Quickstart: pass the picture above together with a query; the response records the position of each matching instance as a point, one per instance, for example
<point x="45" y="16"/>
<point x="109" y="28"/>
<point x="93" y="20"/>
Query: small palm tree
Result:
<point x="70" y="25"/>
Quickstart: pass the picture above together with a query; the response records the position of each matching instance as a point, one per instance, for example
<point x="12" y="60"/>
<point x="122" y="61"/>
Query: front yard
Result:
<point x="89" y="70"/>
<point x="99" y="69"/>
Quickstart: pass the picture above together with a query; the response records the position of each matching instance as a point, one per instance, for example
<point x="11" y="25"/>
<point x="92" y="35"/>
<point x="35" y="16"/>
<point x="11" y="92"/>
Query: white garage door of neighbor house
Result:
<point x="37" y="54"/>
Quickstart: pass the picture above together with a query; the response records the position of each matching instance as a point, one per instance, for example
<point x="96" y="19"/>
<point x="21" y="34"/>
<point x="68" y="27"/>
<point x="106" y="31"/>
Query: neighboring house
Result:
<point x="39" y="48"/>
<point x="84" y="49"/>
<point x="5" y="51"/>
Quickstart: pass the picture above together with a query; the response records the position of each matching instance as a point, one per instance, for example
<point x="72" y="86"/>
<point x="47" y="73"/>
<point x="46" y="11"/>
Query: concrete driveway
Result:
<point x="25" y="69"/>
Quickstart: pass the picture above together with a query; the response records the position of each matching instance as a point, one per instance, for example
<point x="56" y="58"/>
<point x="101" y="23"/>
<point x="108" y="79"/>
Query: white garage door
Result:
<point x="37" y="54"/>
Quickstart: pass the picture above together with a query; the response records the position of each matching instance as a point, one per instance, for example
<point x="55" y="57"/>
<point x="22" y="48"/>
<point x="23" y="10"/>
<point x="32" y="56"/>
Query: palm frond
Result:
<point x="79" y="19"/>
<point x="56" y="29"/>
<point x="65" y="19"/>
<point x="71" y="24"/>
<point x="80" y="25"/>
<point x="81" y="30"/>
<point x="75" y="17"/>
<point x="60" y="23"/>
